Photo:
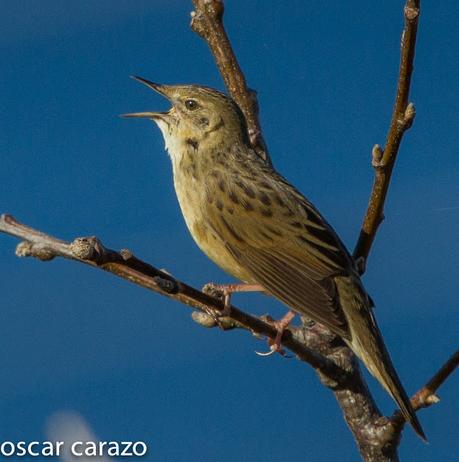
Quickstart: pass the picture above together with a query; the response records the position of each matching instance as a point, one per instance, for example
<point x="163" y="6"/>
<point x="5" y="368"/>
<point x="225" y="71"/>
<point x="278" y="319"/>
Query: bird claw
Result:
<point x="271" y="351"/>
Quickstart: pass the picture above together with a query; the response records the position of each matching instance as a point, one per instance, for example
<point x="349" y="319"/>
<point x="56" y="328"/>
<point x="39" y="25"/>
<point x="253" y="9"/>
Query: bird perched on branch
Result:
<point x="260" y="229"/>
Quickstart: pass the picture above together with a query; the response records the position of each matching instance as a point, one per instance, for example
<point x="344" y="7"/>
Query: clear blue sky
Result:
<point x="132" y="363"/>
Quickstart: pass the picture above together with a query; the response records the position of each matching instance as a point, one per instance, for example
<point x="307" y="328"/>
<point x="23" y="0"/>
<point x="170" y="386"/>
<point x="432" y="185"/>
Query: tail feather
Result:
<point x="379" y="363"/>
<point x="367" y="343"/>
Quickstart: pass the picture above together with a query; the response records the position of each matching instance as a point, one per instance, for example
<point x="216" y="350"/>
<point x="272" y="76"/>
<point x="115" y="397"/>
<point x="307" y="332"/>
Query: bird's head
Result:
<point x="200" y="117"/>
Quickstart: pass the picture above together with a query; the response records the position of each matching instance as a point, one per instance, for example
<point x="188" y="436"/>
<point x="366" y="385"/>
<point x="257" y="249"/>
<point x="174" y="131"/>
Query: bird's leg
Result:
<point x="227" y="290"/>
<point x="280" y="326"/>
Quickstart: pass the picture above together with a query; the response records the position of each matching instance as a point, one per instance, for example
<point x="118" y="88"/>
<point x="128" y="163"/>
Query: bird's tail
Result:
<point x="368" y="345"/>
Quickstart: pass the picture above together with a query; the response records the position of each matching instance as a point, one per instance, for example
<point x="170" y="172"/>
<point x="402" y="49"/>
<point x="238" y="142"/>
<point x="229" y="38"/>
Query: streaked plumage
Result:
<point x="256" y="226"/>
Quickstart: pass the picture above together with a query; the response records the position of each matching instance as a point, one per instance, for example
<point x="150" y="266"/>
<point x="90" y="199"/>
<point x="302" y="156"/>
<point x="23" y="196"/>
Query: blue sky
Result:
<point x="132" y="363"/>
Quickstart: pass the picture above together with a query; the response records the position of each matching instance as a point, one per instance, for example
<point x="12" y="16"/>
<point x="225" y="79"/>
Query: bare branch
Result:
<point x="403" y="115"/>
<point x="90" y="251"/>
<point x="426" y="396"/>
<point x="207" y="22"/>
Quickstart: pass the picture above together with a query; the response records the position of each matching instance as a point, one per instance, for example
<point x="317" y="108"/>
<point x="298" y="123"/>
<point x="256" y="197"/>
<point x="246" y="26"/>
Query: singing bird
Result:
<point x="260" y="229"/>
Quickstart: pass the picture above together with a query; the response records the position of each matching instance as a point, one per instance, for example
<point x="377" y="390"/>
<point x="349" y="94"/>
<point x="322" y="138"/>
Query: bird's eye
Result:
<point x="191" y="104"/>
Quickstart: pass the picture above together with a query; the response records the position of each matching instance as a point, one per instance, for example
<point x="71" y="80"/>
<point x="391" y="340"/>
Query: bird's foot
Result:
<point x="225" y="291"/>
<point x="280" y="326"/>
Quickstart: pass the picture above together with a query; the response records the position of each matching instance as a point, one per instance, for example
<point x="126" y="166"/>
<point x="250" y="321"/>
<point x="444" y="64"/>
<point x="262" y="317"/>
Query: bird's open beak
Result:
<point x="161" y="89"/>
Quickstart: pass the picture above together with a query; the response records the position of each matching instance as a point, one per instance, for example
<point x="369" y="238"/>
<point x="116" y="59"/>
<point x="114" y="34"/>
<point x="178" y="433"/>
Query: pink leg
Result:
<point x="229" y="289"/>
<point x="280" y="326"/>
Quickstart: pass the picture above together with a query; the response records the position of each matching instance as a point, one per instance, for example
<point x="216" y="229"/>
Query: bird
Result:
<point x="260" y="229"/>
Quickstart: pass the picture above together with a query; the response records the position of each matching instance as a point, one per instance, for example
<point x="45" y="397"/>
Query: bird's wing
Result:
<point x="282" y="241"/>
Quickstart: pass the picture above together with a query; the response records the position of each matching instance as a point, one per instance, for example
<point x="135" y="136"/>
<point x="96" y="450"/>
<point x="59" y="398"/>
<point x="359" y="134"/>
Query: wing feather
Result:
<point x="295" y="288"/>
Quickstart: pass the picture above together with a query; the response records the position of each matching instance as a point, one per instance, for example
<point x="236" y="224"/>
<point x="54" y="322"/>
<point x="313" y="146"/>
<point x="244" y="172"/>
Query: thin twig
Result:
<point x="207" y="21"/>
<point x="402" y="117"/>
<point x="426" y="396"/>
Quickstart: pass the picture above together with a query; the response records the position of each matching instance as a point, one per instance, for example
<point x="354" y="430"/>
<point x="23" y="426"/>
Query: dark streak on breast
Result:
<point x="192" y="142"/>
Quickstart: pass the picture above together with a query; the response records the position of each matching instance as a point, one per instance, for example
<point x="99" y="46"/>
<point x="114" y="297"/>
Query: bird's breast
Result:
<point x="192" y="196"/>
